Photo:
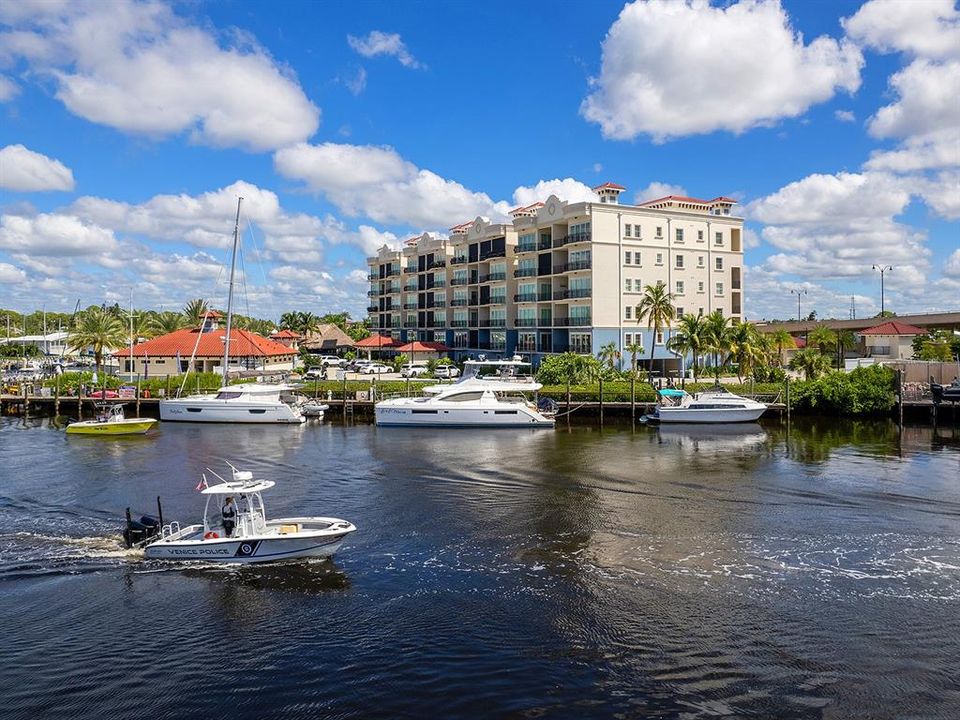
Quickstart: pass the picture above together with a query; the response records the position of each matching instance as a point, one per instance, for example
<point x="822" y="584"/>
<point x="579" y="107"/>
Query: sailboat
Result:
<point x="243" y="403"/>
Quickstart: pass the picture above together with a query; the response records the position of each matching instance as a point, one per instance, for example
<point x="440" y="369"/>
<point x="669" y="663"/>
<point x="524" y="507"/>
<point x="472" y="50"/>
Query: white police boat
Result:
<point x="254" y="538"/>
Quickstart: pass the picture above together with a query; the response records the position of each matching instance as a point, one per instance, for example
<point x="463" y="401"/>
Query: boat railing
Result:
<point x="173" y="528"/>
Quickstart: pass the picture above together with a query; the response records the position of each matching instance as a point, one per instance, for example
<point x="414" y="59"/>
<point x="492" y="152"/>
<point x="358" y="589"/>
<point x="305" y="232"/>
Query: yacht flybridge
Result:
<point x="252" y="539"/>
<point x="499" y="399"/>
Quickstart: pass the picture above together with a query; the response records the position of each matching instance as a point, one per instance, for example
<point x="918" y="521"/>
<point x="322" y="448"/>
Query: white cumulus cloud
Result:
<point x="657" y="190"/>
<point x="140" y="68"/>
<point x="925" y="28"/>
<point x="55" y="235"/>
<point x="24" y="170"/>
<point x="674" y="68"/>
<point x="567" y="189"/>
<point x="8" y="89"/>
<point x="11" y="274"/>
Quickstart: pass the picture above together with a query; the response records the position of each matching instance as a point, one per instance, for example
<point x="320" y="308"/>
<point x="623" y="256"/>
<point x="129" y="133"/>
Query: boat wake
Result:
<point x="31" y="554"/>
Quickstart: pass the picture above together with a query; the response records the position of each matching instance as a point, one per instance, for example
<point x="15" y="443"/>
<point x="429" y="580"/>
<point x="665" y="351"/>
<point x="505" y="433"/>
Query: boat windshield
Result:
<point x="228" y="395"/>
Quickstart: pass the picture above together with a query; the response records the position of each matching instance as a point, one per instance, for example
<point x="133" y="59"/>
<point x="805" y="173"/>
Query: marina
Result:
<point x="751" y="570"/>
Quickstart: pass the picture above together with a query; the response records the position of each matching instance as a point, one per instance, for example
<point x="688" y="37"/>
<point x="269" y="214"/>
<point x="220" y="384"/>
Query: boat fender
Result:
<point x="210" y="535"/>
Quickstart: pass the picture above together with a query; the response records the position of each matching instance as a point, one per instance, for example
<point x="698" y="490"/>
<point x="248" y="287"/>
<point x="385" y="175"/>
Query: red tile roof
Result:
<point x="417" y="346"/>
<point x="212" y="314"/>
<point x="612" y="186"/>
<point x="698" y="201"/>
<point x="893" y="327"/>
<point x="286" y="334"/>
<point x="242" y="344"/>
<point x="375" y="341"/>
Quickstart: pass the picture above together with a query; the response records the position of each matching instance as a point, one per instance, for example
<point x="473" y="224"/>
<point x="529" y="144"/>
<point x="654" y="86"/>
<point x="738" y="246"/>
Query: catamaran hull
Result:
<point x="226" y="411"/>
<point x="693" y="415"/>
<point x="400" y="416"/>
<point x="246" y="551"/>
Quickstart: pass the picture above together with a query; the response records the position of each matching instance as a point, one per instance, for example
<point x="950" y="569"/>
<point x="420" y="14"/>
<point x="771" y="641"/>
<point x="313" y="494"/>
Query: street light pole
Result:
<point x="798" y="292"/>
<point x="882" y="269"/>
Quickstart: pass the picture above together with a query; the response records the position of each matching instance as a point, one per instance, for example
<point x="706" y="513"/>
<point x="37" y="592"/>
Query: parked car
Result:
<point x="410" y="371"/>
<point x="447" y="371"/>
<point x="315" y="374"/>
<point x="330" y="360"/>
<point x="355" y="365"/>
<point x="375" y="369"/>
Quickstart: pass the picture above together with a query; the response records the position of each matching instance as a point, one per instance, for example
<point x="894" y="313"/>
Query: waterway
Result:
<point x="576" y="573"/>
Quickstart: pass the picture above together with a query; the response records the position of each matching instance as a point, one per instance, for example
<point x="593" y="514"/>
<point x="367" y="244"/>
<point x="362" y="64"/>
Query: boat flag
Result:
<point x="203" y="483"/>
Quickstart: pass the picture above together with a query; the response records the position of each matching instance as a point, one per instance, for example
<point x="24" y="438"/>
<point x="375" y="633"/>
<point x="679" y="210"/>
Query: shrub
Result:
<point x="866" y="390"/>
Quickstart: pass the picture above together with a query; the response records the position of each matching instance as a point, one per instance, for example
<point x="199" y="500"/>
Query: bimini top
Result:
<point x="241" y="483"/>
<point x="672" y="392"/>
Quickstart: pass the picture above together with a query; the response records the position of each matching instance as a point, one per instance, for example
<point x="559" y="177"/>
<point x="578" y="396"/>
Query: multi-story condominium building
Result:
<point x="562" y="276"/>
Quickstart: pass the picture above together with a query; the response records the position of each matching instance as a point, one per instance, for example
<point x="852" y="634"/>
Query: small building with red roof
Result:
<point x="201" y="350"/>
<point x="289" y="338"/>
<point x="890" y="340"/>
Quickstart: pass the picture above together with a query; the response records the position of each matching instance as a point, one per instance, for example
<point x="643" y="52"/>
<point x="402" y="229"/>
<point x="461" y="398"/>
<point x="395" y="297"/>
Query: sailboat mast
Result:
<point x="233" y="269"/>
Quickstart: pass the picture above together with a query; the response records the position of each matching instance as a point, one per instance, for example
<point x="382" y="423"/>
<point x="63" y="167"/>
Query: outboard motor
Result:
<point x="547" y="406"/>
<point x="937" y="391"/>
<point x="138" y="532"/>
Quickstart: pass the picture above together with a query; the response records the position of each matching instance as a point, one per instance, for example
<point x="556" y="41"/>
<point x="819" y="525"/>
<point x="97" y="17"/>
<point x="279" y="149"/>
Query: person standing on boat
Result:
<point x="228" y="514"/>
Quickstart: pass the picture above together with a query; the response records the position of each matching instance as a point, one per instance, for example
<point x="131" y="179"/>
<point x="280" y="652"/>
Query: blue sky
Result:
<point x="129" y="128"/>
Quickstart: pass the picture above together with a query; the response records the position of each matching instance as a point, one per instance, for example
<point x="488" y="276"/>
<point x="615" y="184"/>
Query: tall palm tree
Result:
<point x="844" y="339"/>
<point x="656" y="307"/>
<point x="823" y="337"/>
<point x="99" y="329"/>
<point x="717" y="336"/>
<point x="194" y="311"/>
<point x="746" y="347"/>
<point x="167" y="322"/>
<point x="811" y="362"/>
<point x="609" y="354"/>
<point x="634" y="349"/>
<point x="782" y="339"/>
<point x="690" y="337"/>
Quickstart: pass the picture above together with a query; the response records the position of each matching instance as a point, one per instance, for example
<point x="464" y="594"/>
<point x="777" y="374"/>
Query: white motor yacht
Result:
<point x="467" y="404"/>
<point x="253" y="539"/>
<point x="244" y="403"/>
<point x="715" y="405"/>
<point x="490" y="373"/>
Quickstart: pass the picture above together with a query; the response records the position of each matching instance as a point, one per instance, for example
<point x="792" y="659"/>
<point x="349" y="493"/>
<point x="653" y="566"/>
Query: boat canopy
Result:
<point x="671" y="392"/>
<point x="239" y="487"/>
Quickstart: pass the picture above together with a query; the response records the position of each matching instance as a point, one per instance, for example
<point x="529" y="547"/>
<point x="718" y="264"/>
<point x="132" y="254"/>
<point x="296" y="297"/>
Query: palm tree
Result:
<point x="717" y="337"/>
<point x="823" y="337"/>
<point x="845" y="339"/>
<point x="811" y="362"/>
<point x="782" y="339"/>
<point x="690" y="337"/>
<point x="194" y="311"/>
<point x="634" y="349"/>
<point x="99" y="329"/>
<point x="167" y="322"/>
<point x="609" y="354"/>
<point x="746" y="347"/>
<point x="656" y="306"/>
<point x="143" y="326"/>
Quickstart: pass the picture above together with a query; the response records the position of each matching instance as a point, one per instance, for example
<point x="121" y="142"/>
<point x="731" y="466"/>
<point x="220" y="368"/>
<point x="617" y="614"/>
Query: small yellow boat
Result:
<point x="111" y="422"/>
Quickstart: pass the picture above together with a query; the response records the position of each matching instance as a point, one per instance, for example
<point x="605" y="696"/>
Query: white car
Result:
<point x="375" y="369"/>
<point x="447" y="371"/>
<point x="410" y="371"/>
<point x="315" y="374"/>
<point x="330" y="360"/>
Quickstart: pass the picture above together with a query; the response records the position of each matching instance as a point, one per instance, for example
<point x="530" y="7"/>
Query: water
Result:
<point x="571" y="573"/>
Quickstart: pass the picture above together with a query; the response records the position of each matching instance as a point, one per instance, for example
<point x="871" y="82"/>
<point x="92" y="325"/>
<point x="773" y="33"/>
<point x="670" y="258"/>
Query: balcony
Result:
<point x="410" y="269"/>
<point x="437" y="264"/>
<point x="372" y="308"/>
<point x="458" y="281"/>
<point x="493" y="277"/>
<point x="545" y="244"/>
<point x="373" y="277"/>
<point x="410" y="306"/>
<point x="410" y="324"/>
<point x="395" y="290"/>
<point x="544" y="296"/>
<point x="526" y="247"/>
<point x="527" y="346"/>
<point x="571" y="239"/>
<point x="373" y="293"/>
<point x="579" y="322"/>
<point x="458" y="302"/>
<point x="392" y="272"/>
<point x="458" y="323"/>
<point x="459" y="260"/>
<point x="525" y="297"/>
<point x="439" y="284"/>
<point x="439" y="303"/>
<point x="498" y="299"/>
<point x="525" y="322"/>
<point x="571" y="266"/>
<point x="436" y="323"/>
<point x="494" y="323"/>
<point x="493" y="254"/>
<point x="572" y="294"/>
<point x="459" y="343"/>
<point x="525" y="272"/>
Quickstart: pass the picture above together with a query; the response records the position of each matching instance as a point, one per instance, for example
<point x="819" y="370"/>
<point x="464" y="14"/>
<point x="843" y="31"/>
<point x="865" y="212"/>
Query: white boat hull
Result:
<point x="412" y="415"/>
<point x="227" y="411"/>
<point x="710" y="415"/>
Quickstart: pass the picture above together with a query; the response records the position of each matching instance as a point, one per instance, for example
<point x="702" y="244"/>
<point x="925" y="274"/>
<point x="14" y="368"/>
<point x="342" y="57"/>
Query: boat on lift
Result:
<point x="111" y="421"/>
<point x="716" y="405"/>
<point x="254" y="538"/>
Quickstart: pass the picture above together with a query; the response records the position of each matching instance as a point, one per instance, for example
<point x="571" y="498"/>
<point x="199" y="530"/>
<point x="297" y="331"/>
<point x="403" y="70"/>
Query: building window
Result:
<point x="680" y="235"/>
<point x="679" y="310"/>
<point x="719" y="262"/>
<point x="659" y="340"/>
<point x="700" y="286"/>
<point x="719" y="288"/>
<point x="700" y="235"/>
<point x="659" y="258"/>
<point x="679" y="287"/>
<point x="628" y="339"/>
<point x="636" y="258"/>
<point x="626" y="257"/>
<point x="628" y="313"/>
<point x="581" y="343"/>
<point x="626" y="230"/>
<point x="700" y="261"/>
<point x="659" y="232"/>
<point x="718" y="239"/>
<point x="679" y="261"/>
<point x="628" y="285"/>
<point x="700" y="311"/>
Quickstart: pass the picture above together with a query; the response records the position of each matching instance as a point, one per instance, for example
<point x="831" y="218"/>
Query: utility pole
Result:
<point x="882" y="269"/>
<point x="798" y="292"/>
